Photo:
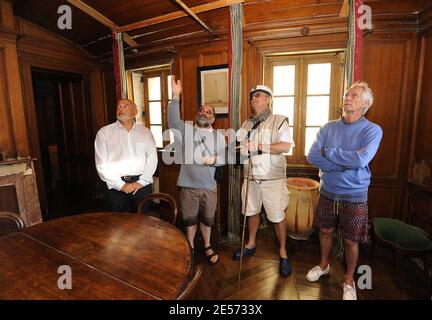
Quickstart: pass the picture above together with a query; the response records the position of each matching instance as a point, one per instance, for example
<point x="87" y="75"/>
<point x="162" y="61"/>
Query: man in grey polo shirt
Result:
<point x="203" y="148"/>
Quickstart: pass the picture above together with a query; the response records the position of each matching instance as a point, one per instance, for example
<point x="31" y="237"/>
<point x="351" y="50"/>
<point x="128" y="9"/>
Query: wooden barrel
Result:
<point x="303" y="199"/>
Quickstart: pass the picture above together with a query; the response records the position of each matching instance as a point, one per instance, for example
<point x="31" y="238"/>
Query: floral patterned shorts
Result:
<point x="351" y="216"/>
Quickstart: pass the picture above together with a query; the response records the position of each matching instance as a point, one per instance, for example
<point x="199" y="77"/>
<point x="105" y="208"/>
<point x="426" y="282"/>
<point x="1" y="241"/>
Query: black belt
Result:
<point x="130" y="179"/>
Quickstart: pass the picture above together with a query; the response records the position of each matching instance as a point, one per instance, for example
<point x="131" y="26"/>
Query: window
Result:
<point x="151" y="91"/>
<point x="308" y="90"/>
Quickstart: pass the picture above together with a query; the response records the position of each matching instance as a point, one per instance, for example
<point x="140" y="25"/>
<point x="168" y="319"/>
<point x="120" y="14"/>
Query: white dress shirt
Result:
<point x="119" y="153"/>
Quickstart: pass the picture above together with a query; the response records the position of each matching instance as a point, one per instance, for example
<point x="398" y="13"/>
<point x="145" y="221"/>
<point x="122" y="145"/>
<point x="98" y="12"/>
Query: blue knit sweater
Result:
<point x="342" y="152"/>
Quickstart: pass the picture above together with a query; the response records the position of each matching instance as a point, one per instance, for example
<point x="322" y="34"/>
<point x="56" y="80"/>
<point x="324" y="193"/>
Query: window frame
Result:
<point x="163" y="73"/>
<point x="301" y="62"/>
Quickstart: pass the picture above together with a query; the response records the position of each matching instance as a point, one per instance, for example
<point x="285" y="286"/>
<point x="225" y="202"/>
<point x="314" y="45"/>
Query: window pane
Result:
<point x="155" y="112"/>
<point x="157" y="135"/>
<point x="317" y="111"/>
<point x="169" y="87"/>
<point x="283" y="80"/>
<point x="284" y="106"/>
<point x="310" y="138"/>
<point x="319" y="78"/>
<point x="138" y="95"/>
<point x="154" y="88"/>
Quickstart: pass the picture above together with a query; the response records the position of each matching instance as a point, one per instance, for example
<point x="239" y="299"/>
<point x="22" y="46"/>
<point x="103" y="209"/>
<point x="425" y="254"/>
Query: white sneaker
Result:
<point x="349" y="293"/>
<point x="316" y="272"/>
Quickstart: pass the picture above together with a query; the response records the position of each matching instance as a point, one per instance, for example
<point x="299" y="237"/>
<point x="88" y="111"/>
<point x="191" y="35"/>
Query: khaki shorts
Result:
<point x="273" y="194"/>
<point x="196" y="203"/>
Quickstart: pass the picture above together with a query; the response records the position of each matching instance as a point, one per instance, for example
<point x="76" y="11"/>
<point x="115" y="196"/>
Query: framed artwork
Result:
<point x="213" y="87"/>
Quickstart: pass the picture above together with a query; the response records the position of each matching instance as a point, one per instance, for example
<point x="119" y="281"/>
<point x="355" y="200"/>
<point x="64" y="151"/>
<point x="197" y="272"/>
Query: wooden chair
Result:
<point x="10" y="223"/>
<point x="405" y="239"/>
<point x="186" y="292"/>
<point x="166" y="209"/>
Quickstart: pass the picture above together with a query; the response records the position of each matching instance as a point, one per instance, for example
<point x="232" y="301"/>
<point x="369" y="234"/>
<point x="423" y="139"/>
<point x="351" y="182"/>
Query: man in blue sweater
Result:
<point x="342" y="152"/>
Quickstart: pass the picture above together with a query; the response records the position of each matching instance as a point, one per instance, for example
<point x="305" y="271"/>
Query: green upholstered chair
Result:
<point x="406" y="239"/>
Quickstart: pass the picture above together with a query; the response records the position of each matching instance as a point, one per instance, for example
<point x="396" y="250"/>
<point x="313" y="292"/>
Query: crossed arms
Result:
<point x="336" y="159"/>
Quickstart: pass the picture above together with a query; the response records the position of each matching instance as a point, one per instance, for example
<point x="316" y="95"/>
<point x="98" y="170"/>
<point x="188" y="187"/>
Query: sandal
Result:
<point x="209" y="257"/>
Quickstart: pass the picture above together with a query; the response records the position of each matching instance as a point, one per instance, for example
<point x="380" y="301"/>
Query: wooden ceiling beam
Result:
<point x="131" y="42"/>
<point x="102" y="19"/>
<point x="178" y="14"/>
<point x="193" y="15"/>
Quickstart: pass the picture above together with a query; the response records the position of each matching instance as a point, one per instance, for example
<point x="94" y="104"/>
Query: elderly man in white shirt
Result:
<point x="126" y="159"/>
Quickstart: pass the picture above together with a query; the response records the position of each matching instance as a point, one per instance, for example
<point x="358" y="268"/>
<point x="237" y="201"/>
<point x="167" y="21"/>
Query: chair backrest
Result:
<point x="10" y="223"/>
<point x="191" y="284"/>
<point x="166" y="209"/>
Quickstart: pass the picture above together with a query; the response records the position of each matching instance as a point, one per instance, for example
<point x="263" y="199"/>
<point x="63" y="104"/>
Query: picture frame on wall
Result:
<point x="213" y="87"/>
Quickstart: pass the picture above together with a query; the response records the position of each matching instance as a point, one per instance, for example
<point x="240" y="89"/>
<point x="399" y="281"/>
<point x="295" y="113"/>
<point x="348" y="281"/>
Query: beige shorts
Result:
<point x="273" y="194"/>
<point x="198" y="204"/>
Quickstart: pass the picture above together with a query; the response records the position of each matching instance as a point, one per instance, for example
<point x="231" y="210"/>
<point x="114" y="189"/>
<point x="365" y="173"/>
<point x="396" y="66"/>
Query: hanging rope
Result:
<point x="235" y="48"/>
<point x="358" y="45"/>
<point x="119" y="66"/>
<point x="355" y="44"/>
<point x="353" y="68"/>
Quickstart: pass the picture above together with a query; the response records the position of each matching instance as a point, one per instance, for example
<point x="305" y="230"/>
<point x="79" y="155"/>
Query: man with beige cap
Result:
<point x="264" y="138"/>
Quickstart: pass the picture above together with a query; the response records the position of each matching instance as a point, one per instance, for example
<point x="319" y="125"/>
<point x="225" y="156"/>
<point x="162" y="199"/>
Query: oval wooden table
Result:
<point x="111" y="256"/>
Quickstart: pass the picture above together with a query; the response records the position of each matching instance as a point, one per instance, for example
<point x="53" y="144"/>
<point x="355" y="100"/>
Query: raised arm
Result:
<point x="174" y="119"/>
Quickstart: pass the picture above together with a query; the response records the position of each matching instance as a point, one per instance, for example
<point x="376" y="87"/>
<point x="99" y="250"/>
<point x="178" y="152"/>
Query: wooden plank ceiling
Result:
<point x="94" y="36"/>
<point x="135" y="17"/>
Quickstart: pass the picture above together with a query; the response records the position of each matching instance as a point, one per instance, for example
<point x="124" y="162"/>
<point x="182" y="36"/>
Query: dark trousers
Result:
<point x="119" y="201"/>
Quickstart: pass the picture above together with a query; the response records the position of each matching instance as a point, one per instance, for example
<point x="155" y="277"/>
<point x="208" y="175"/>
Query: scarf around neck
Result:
<point x="262" y="116"/>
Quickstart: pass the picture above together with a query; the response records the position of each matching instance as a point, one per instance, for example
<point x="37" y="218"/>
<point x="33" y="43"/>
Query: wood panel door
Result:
<point x="76" y="149"/>
<point x="394" y="55"/>
<point x="66" y="170"/>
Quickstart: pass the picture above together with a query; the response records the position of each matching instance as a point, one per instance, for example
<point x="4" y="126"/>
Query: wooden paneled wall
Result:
<point x="13" y="140"/>
<point x="421" y="153"/>
<point x="420" y="167"/>
<point x="389" y="67"/>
